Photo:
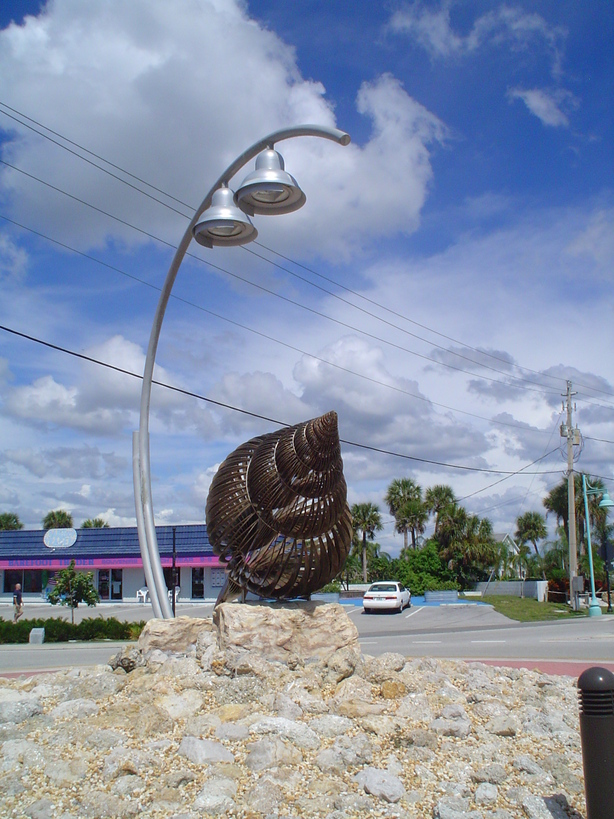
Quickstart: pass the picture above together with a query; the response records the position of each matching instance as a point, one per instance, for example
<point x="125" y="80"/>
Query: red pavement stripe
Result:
<point x="569" y="668"/>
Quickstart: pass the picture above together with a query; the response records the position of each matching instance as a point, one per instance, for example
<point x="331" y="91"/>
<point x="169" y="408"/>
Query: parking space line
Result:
<point x="415" y="611"/>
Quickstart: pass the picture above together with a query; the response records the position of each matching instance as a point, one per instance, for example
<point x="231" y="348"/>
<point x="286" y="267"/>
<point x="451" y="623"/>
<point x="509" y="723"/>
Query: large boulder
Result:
<point x="285" y="631"/>
<point x="177" y="636"/>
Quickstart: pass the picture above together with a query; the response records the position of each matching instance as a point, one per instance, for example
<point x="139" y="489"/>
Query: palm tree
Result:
<point x="94" y="523"/>
<point x="556" y="502"/>
<point x="437" y="499"/>
<point x="556" y="554"/>
<point x="411" y="516"/>
<point x="400" y="492"/>
<point x="58" y="519"/>
<point x="9" y="521"/>
<point x="531" y="527"/>
<point x="367" y="519"/>
<point x="521" y="560"/>
<point x="466" y="543"/>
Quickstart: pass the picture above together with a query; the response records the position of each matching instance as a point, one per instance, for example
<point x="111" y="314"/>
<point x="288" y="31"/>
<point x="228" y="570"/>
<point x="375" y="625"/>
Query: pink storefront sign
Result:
<point x="89" y="563"/>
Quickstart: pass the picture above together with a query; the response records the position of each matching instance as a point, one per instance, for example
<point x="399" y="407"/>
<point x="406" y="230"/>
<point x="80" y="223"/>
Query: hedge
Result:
<point x="58" y="630"/>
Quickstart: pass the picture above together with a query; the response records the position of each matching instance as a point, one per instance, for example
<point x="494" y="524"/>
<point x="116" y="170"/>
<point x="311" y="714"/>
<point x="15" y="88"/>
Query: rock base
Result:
<point x="198" y="720"/>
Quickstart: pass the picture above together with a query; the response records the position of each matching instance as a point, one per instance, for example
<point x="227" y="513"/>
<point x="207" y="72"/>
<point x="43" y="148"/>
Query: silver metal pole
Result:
<point x="141" y="468"/>
<point x="140" y="524"/>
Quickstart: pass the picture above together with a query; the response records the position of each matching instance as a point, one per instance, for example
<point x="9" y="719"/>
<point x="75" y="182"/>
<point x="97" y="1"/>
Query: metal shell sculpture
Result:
<point x="277" y="512"/>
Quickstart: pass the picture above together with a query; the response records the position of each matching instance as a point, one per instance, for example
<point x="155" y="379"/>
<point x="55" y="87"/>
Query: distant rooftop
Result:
<point x="123" y="541"/>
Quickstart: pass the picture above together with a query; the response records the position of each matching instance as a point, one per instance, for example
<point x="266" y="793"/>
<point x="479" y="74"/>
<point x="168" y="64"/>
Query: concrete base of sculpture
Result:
<point x="303" y="631"/>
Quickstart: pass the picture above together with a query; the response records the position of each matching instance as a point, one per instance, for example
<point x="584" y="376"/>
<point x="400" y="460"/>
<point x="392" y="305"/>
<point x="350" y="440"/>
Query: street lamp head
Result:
<point x="269" y="189"/>
<point x="606" y="502"/>
<point x="223" y="223"/>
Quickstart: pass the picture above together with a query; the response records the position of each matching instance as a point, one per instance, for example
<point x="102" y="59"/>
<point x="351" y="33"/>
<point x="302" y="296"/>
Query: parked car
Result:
<point x="386" y="594"/>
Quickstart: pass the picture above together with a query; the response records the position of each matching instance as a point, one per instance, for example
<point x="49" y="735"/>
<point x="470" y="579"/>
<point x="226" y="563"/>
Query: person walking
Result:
<point x="17" y="603"/>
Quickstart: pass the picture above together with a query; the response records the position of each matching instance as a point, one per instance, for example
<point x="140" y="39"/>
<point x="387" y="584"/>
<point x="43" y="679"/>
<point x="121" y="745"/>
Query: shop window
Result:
<point x="11" y="577"/>
<point x="198" y="583"/>
<point x="30" y="580"/>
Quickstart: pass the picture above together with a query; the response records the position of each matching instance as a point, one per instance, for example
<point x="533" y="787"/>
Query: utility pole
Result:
<point x="573" y="436"/>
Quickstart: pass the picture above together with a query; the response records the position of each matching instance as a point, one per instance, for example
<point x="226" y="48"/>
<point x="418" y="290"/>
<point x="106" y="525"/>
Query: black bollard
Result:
<point x="596" y="695"/>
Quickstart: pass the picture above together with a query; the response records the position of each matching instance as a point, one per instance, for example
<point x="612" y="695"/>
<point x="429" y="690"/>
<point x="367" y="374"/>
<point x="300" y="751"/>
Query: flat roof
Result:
<point x="112" y="547"/>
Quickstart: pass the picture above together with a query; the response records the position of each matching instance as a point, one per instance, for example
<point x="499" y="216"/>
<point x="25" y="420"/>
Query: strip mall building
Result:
<point x="32" y="557"/>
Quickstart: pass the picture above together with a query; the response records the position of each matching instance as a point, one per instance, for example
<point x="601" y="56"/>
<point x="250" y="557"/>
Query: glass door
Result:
<point x="103" y="583"/>
<point x="116" y="584"/>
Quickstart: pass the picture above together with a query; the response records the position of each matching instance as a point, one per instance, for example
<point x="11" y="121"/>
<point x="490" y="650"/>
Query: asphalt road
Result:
<point x="468" y="632"/>
<point x="480" y="633"/>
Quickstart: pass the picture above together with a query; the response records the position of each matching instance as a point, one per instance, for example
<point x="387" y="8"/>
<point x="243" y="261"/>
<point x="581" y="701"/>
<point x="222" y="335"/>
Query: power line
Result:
<point x="337" y="284"/>
<point x="97" y="156"/>
<point x="512" y="474"/>
<point x="267" y="290"/>
<point x="279" y="296"/>
<point x="287" y="345"/>
<point x="407" y="332"/>
<point x="224" y="405"/>
<point x="422" y="326"/>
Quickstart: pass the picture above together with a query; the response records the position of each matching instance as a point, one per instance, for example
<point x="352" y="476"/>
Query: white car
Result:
<point x="386" y="594"/>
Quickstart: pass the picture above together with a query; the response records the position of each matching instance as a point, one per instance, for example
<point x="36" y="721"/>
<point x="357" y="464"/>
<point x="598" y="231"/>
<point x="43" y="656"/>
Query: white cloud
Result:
<point x="261" y="393"/>
<point x="546" y="105"/>
<point x="68" y="462"/>
<point x="596" y="242"/>
<point x="510" y="26"/>
<point x="147" y="87"/>
<point x="13" y="261"/>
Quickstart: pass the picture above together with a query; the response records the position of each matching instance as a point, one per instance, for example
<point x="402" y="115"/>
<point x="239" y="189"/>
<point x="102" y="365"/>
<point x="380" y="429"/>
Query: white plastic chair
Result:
<point x="170" y="594"/>
<point x="142" y="595"/>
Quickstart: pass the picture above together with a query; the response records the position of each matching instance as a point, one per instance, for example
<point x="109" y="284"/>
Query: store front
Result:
<point x="32" y="558"/>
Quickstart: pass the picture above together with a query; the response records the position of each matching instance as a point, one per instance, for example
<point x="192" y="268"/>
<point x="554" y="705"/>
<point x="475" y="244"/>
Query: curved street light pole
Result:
<point x="154" y="576"/>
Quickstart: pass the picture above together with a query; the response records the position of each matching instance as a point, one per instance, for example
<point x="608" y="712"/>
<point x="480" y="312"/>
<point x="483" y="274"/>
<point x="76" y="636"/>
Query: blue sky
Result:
<point x="450" y="271"/>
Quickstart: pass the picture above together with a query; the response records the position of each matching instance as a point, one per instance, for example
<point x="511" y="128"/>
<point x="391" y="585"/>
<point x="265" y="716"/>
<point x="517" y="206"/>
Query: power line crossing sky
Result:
<point x="450" y="271"/>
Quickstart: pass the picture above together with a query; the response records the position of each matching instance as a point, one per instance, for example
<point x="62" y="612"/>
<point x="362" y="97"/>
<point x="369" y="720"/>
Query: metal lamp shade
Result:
<point x="223" y="223"/>
<point x="606" y="502"/>
<point x="269" y="189"/>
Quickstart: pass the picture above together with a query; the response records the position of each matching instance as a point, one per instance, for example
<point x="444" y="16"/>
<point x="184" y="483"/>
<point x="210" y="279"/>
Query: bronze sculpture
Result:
<point x="277" y="512"/>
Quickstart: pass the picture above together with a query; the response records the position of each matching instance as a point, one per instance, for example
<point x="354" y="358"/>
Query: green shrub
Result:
<point x="58" y="630"/>
<point x="136" y="629"/>
<point x="330" y="588"/>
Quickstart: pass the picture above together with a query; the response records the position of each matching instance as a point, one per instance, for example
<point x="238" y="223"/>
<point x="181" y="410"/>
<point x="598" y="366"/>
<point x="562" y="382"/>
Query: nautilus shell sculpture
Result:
<point x="277" y="512"/>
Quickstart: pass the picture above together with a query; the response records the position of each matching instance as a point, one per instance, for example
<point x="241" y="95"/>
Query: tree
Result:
<point x="412" y="516"/>
<point x="9" y="521"/>
<point x="94" y="523"/>
<point x="58" y="519"/>
<point x="521" y="560"/>
<point x="367" y="519"/>
<point x="531" y="527"/>
<point x="437" y="499"/>
<point x="556" y="502"/>
<point x="73" y="587"/>
<point x="467" y="544"/>
<point x="400" y="492"/>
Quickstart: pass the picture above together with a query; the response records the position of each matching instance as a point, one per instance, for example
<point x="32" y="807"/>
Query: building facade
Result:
<point x="32" y="558"/>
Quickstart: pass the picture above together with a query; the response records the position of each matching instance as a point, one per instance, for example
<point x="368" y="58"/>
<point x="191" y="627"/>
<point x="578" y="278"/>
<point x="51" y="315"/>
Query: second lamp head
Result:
<point x="269" y="189"/>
